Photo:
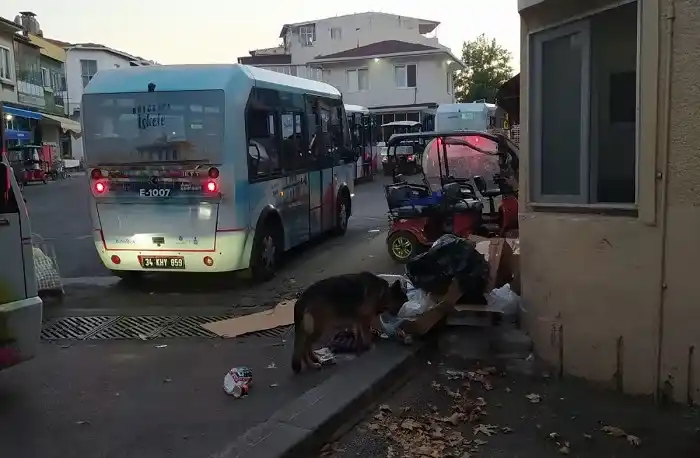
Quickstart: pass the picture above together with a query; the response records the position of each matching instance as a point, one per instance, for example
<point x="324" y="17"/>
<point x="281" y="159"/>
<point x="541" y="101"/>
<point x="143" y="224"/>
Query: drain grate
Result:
<point x="191" y="326"/>
<point x="74" y="327"/>
<point x="142" y="327"/>
<point x="134" y="327"/>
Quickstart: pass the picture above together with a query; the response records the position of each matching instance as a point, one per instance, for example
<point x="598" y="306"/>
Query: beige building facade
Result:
<point x="610" y="190"/>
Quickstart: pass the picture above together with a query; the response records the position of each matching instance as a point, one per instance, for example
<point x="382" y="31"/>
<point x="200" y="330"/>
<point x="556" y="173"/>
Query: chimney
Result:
<point x="28" y="21"/>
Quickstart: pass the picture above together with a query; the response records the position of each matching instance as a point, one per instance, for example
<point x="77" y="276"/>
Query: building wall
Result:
<point x="357" y="30"/>
<point x="431" y="81"/>
<point x="614" y="298"/>
<point x="8" y="92"/>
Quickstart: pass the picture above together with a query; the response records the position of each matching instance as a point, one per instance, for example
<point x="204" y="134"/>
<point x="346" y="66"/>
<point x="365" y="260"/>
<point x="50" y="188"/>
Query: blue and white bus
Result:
<point x="212" y="168"/>
<point x="453" y="117"/>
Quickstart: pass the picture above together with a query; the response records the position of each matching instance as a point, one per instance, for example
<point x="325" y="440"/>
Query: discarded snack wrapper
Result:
<point x="237" y="381"/>
<point x="324" y="355"/>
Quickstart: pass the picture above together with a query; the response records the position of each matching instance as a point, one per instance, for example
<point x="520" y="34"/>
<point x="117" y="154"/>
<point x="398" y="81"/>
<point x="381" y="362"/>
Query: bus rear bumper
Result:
<point x="232" y="252"/>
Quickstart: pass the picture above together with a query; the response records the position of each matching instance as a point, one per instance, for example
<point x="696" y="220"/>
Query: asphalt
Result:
<point x="158" y="398"/>
<point x="520" y="410"/>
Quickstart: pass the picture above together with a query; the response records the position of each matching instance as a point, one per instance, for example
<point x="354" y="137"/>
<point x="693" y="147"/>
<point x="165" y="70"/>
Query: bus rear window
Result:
<point x="153" y="127"/>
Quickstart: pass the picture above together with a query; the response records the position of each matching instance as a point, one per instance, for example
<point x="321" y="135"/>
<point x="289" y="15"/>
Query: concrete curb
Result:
<point x="303" y="426"/>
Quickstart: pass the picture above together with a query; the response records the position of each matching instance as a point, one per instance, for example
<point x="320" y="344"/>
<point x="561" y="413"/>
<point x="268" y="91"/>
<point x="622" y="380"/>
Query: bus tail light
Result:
<point x="96" y="174"/>
<point x="211" y="186"/>
<point x="116" y="259"/>
<point x="208" y="261"/>
<point x="213" y="172"/>
<point x="100" y="187"/>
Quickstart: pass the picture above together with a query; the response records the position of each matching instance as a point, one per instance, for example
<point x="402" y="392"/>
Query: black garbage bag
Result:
<point x="450" y="257"/>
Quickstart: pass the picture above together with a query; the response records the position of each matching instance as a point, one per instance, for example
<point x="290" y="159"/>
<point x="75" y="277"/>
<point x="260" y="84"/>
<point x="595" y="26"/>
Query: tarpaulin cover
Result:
<point x="449" y="258"/>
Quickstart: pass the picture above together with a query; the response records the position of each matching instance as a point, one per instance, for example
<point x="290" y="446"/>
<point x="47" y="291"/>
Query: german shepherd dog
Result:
<point x="351" y="300"/>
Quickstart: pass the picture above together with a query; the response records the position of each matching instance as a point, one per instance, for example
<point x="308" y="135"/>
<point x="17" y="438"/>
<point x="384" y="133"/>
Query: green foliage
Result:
<point x="487" y="68"/>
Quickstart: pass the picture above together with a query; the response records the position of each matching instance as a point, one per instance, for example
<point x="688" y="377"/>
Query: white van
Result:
<point x="20" y="305"/>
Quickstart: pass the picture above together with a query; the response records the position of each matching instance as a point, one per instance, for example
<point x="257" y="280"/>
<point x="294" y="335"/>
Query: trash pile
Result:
<point x="458" y="277"/>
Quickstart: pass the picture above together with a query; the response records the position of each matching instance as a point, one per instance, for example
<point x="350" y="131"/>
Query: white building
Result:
<point x="82" y="62"/>
<point x="385" y="62"/>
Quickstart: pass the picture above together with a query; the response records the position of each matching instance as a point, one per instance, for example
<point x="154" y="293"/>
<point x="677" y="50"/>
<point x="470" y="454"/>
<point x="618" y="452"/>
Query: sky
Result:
<point x="220" y="31"/>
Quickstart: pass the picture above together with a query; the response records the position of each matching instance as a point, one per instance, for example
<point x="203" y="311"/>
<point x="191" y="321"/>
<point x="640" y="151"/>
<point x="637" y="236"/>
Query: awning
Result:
<point x="66" y="124"/>
<point x="21" y="113"/>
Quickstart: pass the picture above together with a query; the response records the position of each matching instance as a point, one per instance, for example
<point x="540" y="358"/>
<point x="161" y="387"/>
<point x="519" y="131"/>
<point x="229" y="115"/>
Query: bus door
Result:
<point x="295" y="186"/>
<point x="316" y="149"/>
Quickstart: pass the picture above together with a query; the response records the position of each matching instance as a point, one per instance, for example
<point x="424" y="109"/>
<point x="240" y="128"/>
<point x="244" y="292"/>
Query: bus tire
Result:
<point x="342" y="213"/>
<point x="267" y="251"/>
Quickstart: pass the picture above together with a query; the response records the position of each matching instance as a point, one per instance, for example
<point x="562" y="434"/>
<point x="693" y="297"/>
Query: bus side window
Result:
<point x="294" y="154"/>
<point x="263" y="143"/>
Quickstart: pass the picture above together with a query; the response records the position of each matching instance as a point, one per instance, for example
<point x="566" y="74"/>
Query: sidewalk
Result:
<point x="457" y="407"/>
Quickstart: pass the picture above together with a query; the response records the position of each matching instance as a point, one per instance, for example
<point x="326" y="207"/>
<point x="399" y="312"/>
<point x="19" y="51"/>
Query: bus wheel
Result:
<point x="342" y="215"/>
<point x="266" y="253"/>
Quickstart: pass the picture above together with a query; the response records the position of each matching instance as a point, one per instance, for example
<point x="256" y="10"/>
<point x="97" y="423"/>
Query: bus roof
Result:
<point x="458" y="107"/>
<point x="356" y="109"/>
<point x="196" y="77"/>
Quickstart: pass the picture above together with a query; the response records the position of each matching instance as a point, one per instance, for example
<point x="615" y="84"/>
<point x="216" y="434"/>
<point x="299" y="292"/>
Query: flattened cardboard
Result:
<point x="281" y="315"/>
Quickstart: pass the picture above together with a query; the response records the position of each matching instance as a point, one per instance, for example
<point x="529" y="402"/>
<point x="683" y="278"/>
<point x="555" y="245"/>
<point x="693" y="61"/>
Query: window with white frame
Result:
<point x="307" y="34"/>
<point x="46" y="78"/>
<point x="584" y="110"/>
<point x="5" y="64"/>
<point x="336" y="33"/>
<point x="88" y="68"/>
<point x="358" y="80"/>
<point x="405" y="75"/>
<point x="449" y="80"/>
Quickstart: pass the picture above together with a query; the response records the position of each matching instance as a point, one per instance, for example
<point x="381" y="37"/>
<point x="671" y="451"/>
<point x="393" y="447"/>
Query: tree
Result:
<point x="487" y="68"/>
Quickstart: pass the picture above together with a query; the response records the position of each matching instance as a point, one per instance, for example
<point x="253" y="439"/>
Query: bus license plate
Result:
<point x="162" y="262"/>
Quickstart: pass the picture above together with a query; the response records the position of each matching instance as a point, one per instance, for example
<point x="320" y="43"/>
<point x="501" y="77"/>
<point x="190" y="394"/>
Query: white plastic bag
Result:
<point x="504" y="299"/>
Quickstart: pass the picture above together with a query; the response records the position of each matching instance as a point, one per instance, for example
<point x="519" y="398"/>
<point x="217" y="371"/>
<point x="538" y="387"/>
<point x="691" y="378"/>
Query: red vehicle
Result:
<point x="468" y="186"/>
<point x="29" y="163"/>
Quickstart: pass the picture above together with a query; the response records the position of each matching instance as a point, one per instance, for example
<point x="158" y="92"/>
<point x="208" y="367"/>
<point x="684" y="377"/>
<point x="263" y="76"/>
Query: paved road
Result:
<point x="159" y="397"/>
<point x="59" y="212"/>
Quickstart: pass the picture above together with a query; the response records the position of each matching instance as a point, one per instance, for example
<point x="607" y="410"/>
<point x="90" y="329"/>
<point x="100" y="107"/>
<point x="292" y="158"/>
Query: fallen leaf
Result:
<point x="565" y="449"/>
<point x="455" y="418"/>
<point x="384" y="408"/>
<point x="587" y="436"/>
<point x="508" y="390"/>
<point x="506" y="430"/>
<point x="82" y="422"/>
<point x="274" y="385"/>
<point x="554" y="436"/>
<point x="436" y="385"/>
<point x="634" y="440"/>
<point x="486" y="430"/>
<point x="410" y="424"/>
<point x="272" y="365"/>
<point x="479" y="442"/>
<point x="613" y="431"/>
<point x="167" y="380"/>
<point x="372" y="426"/>
<point x="534" y="398"/>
